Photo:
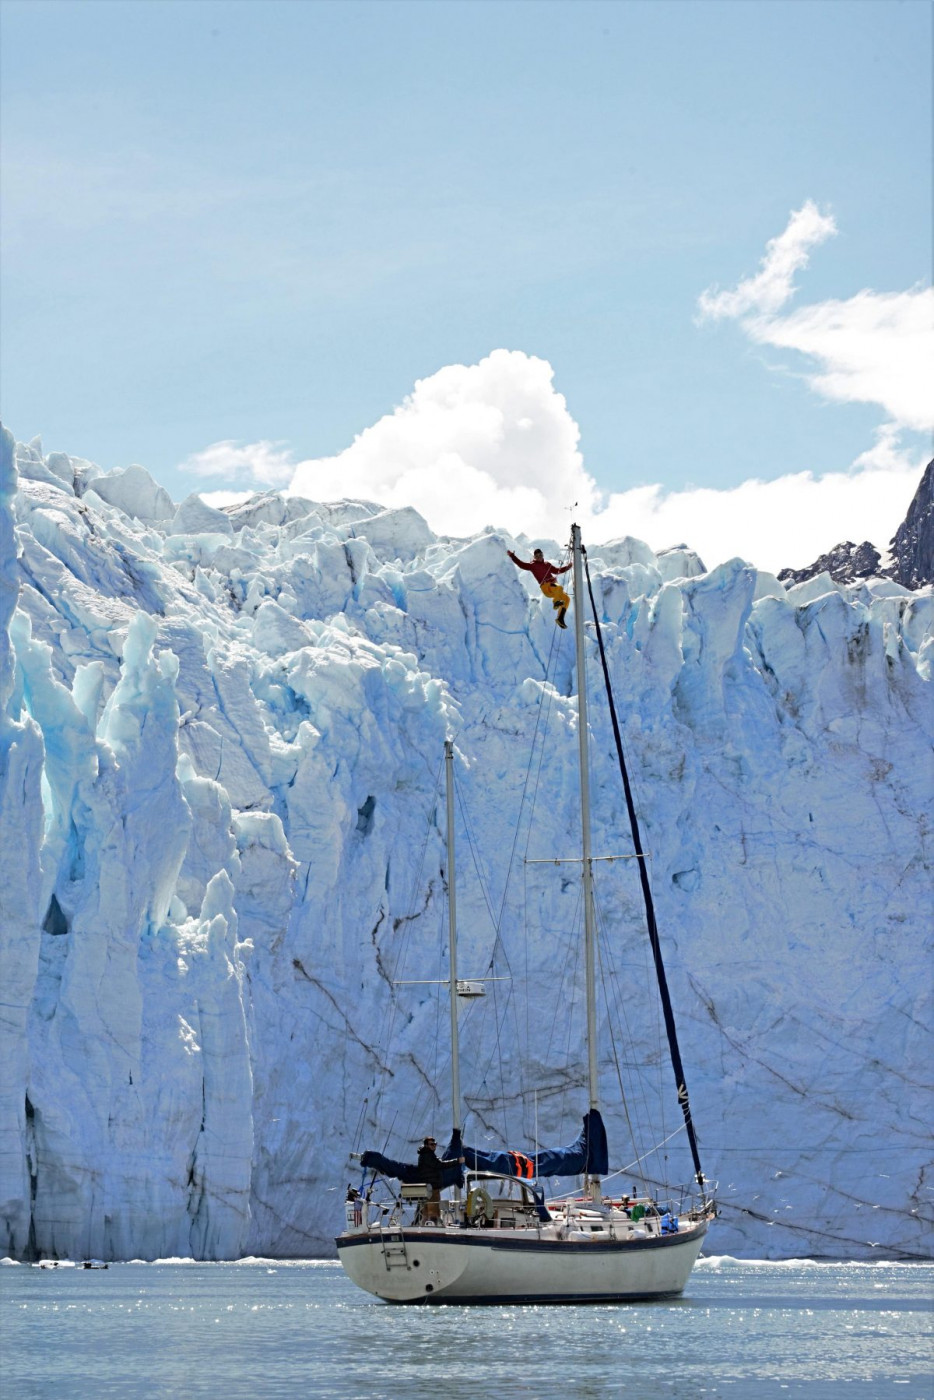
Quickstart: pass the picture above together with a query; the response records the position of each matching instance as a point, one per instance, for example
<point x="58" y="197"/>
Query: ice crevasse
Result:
<point x="219" y="737"/>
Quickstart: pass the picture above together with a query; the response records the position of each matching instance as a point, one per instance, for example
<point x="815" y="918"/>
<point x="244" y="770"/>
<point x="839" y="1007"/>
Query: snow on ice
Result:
<point x="219" y="736"/>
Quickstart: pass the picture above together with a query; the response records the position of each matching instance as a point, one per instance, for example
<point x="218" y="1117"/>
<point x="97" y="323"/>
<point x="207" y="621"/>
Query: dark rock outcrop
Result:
<point x="845" y="563"/>
<point x="912" y="549"/>
<point x="913" y="545"/>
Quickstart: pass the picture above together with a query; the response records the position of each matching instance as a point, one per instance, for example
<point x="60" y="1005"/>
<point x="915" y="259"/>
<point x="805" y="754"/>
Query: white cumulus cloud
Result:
<point x="789" y="521"/>
<point x="473" y="445"/>
<point x="874" y="347"/>
<point x="494" y="443"/>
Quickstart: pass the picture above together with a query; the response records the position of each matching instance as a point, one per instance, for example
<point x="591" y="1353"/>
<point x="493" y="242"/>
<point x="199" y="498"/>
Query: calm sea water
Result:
<point x="261" y="1328"/>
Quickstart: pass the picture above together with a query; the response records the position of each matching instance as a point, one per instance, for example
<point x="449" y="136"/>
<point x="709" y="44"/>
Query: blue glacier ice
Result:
<point x="219" y="738"/>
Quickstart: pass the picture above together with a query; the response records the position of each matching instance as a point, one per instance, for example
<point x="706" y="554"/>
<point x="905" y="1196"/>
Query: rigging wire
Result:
<point x="542" y="721"/>
<point x="569" y="977"/>
<point x="543" y="711"/>
<point x="630" y="1168"/>
<point x="438" y="998"/>
<point x="621" y="1011"/>
<point x="397" y="968"/>
<point x="572" y="1004"/>
<point x="639" y="1071"/>
<point x="498" y="946"/>
<point x="677" y="1065"/>
<point x="611" y="988"/>
<point x="635" y="1090"/>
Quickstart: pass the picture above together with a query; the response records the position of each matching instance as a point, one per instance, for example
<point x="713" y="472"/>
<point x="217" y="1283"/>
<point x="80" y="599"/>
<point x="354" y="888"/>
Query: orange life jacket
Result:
<point x="524" y="1166"/>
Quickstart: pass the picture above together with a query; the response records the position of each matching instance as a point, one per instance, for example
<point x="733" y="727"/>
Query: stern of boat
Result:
<point x="401" y="1266"/>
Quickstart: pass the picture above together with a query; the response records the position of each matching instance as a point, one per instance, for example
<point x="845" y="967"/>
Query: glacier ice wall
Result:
<point x="219" y="739"/>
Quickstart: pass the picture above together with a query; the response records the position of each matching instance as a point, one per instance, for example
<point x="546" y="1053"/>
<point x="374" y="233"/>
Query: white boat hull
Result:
<point x="444" y="1265"/>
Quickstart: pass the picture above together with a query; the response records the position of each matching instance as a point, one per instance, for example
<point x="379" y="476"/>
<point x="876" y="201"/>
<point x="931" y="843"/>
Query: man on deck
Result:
<point x="432" y="1168"/>
<point x="547" y="577"/>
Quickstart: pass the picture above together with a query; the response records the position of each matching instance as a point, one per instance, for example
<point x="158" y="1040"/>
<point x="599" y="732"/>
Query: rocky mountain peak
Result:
<point x="913" y="544"/>
<point x="912" y="549"/>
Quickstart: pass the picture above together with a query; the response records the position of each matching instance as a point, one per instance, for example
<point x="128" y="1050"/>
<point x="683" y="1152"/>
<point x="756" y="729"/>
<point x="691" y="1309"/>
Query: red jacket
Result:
<point x="543" y="571"/>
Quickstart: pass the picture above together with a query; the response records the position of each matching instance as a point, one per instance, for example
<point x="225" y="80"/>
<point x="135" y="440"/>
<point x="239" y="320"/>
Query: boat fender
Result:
<point x="479" y="1206"/>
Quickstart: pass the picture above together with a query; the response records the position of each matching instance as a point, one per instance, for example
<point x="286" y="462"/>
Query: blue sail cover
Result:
<point x="409" y="1171"/>
<point x="588" y="1155"/>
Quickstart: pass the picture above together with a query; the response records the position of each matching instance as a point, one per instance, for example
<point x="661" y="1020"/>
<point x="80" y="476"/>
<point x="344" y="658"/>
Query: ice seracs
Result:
<point x="214" y="745"/>
<point x="133" y="491"/>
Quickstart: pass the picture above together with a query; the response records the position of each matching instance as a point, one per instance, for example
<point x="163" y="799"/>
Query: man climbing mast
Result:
<point x="547" y="576"/>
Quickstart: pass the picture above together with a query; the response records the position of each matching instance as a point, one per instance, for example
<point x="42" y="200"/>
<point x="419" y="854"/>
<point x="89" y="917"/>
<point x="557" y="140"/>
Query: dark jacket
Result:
<point x="431" y="1167"/>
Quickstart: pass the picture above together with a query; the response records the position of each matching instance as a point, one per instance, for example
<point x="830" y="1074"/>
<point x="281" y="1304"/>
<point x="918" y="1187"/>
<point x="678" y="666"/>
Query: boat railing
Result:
<point x="492" y="1201"/>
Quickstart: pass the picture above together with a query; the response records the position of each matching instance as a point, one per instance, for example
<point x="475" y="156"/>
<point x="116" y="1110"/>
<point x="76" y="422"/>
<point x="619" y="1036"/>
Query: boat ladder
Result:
<point x="395" y="1255"/>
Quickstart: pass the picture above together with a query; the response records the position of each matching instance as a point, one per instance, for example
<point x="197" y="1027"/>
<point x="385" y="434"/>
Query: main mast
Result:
<point x="587" y="866"/>
<point x="452" y="936"/>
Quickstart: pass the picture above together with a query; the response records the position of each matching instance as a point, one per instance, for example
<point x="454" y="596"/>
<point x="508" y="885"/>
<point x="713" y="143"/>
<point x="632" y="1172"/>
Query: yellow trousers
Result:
<point x="557" y="594"/>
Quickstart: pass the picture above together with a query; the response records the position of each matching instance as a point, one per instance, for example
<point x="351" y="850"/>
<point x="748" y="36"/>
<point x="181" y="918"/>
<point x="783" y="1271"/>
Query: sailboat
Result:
<point x="496" y="1237"/>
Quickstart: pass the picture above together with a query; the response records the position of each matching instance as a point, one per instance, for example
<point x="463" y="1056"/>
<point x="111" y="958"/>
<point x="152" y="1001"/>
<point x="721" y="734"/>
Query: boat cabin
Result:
<point x="502" y="1202"/>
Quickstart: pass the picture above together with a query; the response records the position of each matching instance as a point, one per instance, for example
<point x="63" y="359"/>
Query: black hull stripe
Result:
<point x="441" y="1300"/>
<point x="470" y="1241"/>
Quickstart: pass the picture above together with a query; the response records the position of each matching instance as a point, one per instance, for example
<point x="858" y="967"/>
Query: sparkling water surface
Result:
<point x="266" y="1328"/>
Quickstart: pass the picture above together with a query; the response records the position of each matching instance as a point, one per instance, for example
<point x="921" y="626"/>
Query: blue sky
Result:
<point x="262" y="223"/>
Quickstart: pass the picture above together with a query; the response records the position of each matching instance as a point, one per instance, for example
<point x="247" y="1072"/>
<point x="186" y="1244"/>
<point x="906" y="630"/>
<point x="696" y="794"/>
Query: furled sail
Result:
<point x="588" y="1155"/>
<point x="410" y="1171"/>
